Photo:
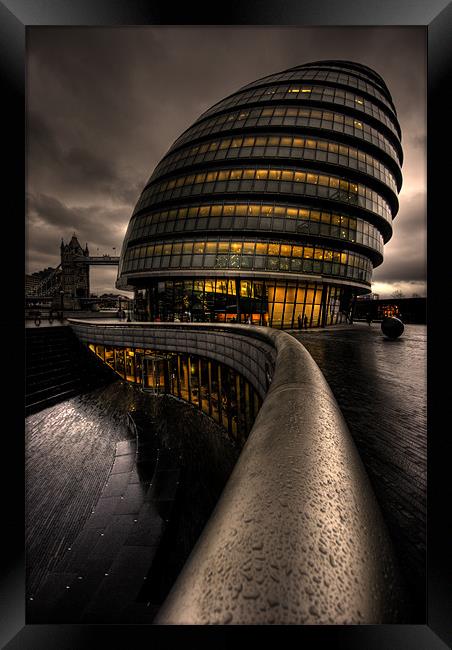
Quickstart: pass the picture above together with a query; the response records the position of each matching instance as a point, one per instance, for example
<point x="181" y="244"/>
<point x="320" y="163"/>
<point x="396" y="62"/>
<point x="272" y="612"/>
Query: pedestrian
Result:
<point x="369" y="318"/>
<point x="306" y="322"/>
<point x="299" y="321"/>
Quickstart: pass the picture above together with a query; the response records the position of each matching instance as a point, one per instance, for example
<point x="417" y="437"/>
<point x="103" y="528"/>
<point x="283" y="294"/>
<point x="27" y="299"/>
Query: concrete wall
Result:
<point x="297" y="536"/>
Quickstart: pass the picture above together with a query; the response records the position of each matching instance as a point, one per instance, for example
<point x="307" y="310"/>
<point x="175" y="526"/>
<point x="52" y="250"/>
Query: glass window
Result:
<point x="285" y="250"/>
<point x="198" y="247"/>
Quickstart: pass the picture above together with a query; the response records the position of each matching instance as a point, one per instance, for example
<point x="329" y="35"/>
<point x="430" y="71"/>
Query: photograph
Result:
<point x="226" y="325"/>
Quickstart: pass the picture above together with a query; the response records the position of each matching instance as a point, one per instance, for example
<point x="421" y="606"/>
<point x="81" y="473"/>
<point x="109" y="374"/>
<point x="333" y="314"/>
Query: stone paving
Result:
<point x="380" y="386"/>
<point x="69" y="450"/>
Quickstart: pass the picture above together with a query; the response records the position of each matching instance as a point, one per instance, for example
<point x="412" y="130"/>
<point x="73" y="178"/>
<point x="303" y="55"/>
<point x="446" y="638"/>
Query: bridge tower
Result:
<point x="75" y="273"/>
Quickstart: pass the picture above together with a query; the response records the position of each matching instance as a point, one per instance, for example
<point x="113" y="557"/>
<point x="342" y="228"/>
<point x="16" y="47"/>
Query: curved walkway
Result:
<point x="380" y="386"/>
<point x="297" y="536"/>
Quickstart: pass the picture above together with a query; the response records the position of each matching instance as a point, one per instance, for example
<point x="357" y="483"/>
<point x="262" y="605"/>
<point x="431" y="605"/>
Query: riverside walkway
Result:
<point x="380" y="386"/>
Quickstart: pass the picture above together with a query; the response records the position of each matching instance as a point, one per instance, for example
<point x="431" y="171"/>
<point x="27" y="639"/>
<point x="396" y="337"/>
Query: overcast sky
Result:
<point x="105" y="104"/>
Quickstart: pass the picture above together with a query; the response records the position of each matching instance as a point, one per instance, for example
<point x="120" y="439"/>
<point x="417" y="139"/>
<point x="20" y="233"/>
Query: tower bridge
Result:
<point x="70" y="278"/>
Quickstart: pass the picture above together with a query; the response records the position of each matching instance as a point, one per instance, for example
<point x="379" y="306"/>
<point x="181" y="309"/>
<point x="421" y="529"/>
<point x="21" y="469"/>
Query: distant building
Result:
<point x="409" y="310"/>
<point x="35" y="283"/>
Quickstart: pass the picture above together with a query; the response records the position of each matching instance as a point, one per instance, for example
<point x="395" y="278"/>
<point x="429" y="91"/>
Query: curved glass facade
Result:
<point x="274" y="206"/>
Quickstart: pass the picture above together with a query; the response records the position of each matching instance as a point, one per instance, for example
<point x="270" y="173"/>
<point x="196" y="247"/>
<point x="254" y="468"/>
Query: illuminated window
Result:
<point x="285" y="250"/>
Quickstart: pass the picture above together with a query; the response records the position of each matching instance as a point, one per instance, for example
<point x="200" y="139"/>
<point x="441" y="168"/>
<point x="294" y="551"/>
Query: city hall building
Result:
<point x="274" y="206"/>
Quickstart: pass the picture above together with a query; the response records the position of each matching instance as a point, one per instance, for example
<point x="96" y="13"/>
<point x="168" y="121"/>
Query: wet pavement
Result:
<point x="380" y="386"/>
<point x="69" y="450"/>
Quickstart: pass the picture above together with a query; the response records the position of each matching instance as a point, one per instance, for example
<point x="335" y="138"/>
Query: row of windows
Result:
<point x="277" y="303"/>
<point x="364" y="73"/>
<point x="317" y="74"/>
<point x="214" y="388"/>
<point x="248" y="255"/>
<point x="288" y="116"/>
<point x="266" y="180"/>
<point x="277" y="146"/>
<point x="309" y="92"/>
<point x="258" y="217"/>
<point x="236" y="262"/>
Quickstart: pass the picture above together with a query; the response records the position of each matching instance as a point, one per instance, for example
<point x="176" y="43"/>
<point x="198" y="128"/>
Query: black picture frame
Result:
<point x="15" y="17"/>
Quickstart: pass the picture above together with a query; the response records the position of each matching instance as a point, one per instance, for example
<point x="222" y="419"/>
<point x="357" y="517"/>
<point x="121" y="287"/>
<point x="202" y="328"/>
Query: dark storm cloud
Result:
<point x="106" y="104"/>
<point x="405" y="256"/>
<point x="76" y="171"/>
<point x="96" y="224"/>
